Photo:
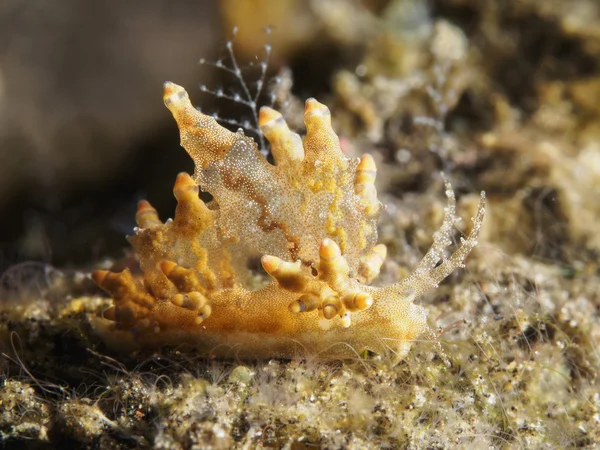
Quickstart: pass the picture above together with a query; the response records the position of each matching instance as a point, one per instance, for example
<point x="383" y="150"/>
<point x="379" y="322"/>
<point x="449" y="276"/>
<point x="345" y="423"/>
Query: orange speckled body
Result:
<point x="312" y="217"/>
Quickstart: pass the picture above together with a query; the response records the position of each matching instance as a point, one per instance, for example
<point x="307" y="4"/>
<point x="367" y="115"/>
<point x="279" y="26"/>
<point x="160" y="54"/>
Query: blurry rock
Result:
<point x="297" y="24"/>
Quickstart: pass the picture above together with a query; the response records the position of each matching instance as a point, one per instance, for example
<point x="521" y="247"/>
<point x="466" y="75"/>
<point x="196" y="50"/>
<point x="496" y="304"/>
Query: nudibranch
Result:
<point x="312" y="219"/>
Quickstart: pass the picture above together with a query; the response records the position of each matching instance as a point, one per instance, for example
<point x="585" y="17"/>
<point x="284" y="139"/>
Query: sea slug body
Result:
<point x="311" y="218"/>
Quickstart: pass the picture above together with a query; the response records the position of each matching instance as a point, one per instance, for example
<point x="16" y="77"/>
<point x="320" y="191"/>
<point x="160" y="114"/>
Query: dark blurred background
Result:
<point x="83" y="133"/>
